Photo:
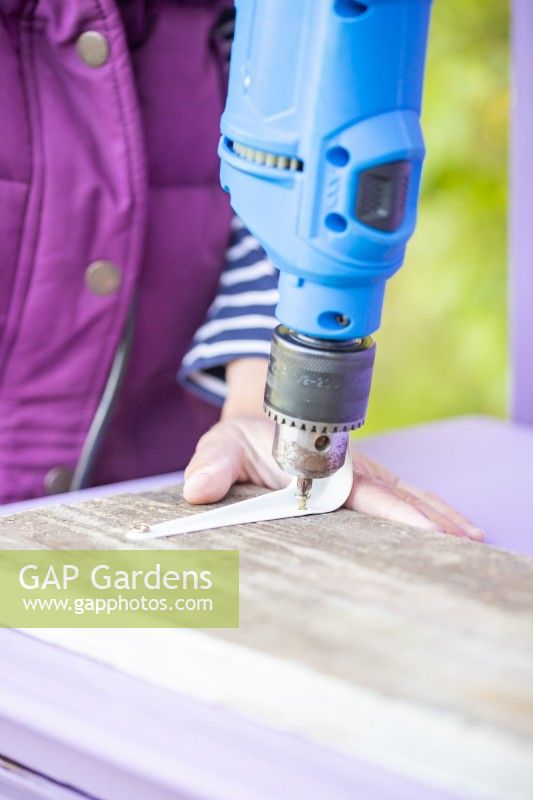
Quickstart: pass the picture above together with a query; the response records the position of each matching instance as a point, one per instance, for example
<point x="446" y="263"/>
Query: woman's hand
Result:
<point x="238" y="449"/>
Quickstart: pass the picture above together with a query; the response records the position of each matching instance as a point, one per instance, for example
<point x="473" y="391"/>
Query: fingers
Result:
<point x="440" y="522"/>
<point x="462" y="522"/>
<point x="234" y="450"/>
<point x="371" y="496"/>
<point x="378" y="491"/>
<point x="214" y="467"/>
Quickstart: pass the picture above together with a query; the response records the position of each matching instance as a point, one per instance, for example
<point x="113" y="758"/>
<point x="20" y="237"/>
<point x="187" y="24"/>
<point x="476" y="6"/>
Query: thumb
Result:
<point x="214" y="467"/>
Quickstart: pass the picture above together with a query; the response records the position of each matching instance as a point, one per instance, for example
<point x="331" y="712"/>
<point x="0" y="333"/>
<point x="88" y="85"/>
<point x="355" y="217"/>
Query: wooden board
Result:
<point x="409" y="649"/>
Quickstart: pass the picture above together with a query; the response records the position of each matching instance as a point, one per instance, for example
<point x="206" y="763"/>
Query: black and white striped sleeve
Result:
<point x="240" y="320"/>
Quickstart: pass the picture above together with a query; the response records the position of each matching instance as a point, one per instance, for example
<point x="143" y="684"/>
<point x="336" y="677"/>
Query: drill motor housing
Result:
<point x="322" y="152"/>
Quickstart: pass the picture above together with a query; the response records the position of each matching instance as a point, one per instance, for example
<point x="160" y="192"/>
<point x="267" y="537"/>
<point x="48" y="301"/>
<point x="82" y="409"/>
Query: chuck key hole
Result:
<point x="322" y="443"/>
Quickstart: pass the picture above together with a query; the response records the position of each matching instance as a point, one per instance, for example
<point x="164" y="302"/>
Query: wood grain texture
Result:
<point x="441" y="625"/>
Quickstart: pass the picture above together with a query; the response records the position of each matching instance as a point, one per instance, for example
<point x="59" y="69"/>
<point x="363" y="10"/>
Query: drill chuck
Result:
<point x="317" y="392"/>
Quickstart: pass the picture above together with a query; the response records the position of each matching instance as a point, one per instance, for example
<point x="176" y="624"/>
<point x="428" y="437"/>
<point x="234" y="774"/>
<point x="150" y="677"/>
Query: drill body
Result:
<point x="321" y="152"/>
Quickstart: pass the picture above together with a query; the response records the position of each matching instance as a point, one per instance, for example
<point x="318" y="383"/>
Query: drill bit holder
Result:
<point x="317" y="392"/>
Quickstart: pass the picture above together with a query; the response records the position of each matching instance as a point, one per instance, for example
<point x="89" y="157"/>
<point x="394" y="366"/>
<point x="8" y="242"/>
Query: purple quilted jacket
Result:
<point x="110" y="209"/>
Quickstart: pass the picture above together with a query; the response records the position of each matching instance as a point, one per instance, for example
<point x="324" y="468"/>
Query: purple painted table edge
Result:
<point x="219" y="756"/>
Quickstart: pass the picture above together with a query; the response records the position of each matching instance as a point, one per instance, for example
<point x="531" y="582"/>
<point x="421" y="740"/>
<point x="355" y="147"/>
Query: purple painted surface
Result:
<point x="121" y="739"/>
<point x="481" y="466"/>
<point x="21" y="784"/>
<point x="521" y="216"/>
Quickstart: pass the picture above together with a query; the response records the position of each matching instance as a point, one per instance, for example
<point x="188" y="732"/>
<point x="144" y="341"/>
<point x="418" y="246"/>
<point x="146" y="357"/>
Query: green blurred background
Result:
<point x="442" y="348"/>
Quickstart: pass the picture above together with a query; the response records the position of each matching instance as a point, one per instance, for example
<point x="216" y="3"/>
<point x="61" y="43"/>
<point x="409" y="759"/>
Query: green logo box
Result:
<point x="119" y="588"/>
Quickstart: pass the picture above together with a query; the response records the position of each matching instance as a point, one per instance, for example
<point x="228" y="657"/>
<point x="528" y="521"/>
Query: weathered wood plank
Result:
<point x="433" y="622"/>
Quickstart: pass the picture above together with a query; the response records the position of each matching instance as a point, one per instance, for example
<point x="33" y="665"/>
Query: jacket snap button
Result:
<point x="93" y="48"/>
<point x="103" y="277"/>
<point x="57" y="480"/>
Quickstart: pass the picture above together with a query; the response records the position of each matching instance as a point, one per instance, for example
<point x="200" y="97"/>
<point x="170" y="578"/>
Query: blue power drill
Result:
<point x="322" y="153"/>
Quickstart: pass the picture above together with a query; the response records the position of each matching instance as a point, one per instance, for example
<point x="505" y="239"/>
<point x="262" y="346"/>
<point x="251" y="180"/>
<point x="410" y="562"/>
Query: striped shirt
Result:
<point x="239" y="321"/>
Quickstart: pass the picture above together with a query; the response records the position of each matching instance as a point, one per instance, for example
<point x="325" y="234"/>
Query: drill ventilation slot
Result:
<point x="265" y="159"/>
